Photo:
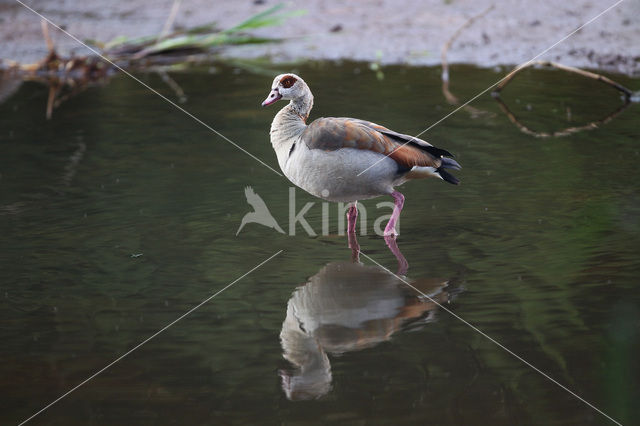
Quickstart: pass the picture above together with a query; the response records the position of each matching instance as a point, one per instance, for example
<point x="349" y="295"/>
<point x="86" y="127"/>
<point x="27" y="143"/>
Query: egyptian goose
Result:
<point x="346" y="159"/>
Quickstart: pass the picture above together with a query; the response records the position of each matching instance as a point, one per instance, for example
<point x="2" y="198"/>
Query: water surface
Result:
<point x="120" y="214"/>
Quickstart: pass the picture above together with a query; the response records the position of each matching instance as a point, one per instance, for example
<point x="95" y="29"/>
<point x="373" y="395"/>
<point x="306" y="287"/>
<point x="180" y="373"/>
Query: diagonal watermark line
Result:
<point x="104" y="58"/>
<point x="151" y="337"/>
<point x="496" y="83"/>
<point x="482" y="333"/>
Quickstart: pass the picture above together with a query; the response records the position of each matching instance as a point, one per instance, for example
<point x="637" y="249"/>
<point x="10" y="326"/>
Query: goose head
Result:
<point x="287" y="87"/>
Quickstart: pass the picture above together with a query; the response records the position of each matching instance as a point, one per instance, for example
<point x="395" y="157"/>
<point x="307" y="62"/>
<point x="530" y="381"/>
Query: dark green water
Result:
<point x="119" y="215"/>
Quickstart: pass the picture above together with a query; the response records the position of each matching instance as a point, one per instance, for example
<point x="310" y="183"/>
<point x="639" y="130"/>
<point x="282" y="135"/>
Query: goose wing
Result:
<point x="331" y="134"/>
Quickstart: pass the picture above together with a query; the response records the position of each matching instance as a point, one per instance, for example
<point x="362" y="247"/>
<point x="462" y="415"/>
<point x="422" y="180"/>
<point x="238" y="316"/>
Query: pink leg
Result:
<point x="390" y="229"/>
<point x="355" y="247"/>
<point x="403" y="265"/>
<point x="352" y="216"/>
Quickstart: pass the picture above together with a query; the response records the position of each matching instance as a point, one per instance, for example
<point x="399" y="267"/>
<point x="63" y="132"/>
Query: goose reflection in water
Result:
<point x="345" y="307"/>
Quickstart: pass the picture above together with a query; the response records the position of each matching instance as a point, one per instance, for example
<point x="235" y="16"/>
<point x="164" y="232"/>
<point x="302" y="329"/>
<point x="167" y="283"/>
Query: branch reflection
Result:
<point x="626" y="93"/>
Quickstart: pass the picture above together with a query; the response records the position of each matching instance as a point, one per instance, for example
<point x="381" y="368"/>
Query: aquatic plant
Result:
<point x="202" y="39"/>
<point x="67" y="76"/>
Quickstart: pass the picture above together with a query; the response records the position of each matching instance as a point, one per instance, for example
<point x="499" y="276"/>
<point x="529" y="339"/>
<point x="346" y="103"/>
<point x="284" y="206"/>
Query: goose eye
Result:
<point x="287" y="82"/>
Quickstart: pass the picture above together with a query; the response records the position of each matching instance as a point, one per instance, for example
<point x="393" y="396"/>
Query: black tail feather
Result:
<point x="450" y="163"/>
<point x="447" y="177"/>
<point x="436" y="152"/>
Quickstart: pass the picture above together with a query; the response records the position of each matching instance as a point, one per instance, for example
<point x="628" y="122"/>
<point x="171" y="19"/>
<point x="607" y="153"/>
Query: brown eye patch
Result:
<point x="288" y="81"/>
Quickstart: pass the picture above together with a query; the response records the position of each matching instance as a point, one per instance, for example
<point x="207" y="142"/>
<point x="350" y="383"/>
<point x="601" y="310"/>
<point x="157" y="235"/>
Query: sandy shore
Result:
<point x="389" y="31"/>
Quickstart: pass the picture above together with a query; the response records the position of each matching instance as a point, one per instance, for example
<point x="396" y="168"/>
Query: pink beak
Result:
<point x="274" y="96"/>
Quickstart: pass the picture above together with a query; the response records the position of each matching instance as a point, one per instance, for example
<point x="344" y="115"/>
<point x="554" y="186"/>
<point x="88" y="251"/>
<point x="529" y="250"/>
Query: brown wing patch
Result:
<point x="331" y="134"/>
<point x="409" y="156"/>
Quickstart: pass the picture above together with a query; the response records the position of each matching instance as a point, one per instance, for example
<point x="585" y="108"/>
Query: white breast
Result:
<point x="333" y="175"/>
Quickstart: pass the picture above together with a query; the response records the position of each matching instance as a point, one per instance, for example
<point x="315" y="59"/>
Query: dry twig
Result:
<point x="168" y="24"/>
<point x="450" y="97"/>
